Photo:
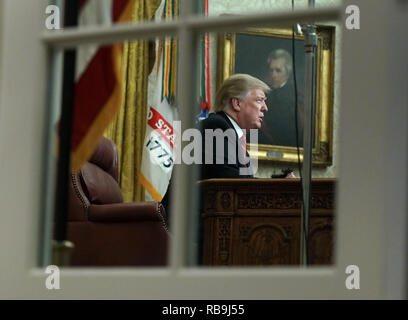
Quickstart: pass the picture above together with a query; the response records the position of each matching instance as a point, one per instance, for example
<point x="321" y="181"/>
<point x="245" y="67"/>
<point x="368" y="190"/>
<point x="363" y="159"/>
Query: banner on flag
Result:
<point x="158" y="149"/>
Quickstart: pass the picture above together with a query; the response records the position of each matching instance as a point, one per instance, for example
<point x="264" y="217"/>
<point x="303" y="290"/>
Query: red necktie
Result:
<point x="243" y="146"/>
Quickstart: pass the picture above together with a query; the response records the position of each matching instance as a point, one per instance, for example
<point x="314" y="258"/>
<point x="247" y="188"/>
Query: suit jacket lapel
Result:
<point x="224" y="115"/>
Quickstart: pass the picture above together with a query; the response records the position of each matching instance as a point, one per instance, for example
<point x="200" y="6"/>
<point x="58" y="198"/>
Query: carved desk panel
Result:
<point x="258" y="221"/>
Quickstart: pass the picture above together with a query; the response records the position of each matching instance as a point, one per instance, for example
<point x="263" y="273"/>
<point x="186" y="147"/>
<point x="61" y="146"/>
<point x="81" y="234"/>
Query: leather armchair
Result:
<point x="105" y="230"/>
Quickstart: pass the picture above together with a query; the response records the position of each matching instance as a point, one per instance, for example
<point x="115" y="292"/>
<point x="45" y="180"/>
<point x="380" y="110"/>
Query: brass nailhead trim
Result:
<point x="78" y="193"/>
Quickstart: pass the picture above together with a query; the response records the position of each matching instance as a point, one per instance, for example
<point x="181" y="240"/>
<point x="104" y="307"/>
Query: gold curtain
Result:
<point x="127" y="130"/>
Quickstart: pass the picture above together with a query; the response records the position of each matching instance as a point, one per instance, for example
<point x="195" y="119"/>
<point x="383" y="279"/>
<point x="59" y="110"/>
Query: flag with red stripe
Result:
<point x="157" y="158"/>
<point x="98" y="88"/>
<point x="205" y="94"/>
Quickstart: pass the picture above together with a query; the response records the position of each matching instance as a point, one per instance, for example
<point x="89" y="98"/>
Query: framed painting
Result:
<point x="268" y="55"/>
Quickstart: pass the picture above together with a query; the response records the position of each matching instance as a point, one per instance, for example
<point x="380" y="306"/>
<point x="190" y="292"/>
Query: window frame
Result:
<point x="27" y="70"/>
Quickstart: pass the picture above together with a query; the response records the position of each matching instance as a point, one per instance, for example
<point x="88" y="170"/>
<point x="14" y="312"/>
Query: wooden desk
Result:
<point x="257" y="221"/>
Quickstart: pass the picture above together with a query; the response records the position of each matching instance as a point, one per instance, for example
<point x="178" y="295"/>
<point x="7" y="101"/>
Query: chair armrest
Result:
<point x="127" y="212"/>
<point x="121" y="234"/>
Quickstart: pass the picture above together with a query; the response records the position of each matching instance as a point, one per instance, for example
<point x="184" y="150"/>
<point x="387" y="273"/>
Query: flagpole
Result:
<point x="61" y="248"/>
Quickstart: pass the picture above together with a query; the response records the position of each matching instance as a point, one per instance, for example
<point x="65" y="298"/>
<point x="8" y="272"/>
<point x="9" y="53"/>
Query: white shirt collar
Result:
<point x="237" y="128"/>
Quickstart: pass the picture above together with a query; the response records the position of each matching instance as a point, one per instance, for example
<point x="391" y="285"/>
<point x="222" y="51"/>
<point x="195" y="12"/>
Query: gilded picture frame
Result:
<point x="247" y="52"/>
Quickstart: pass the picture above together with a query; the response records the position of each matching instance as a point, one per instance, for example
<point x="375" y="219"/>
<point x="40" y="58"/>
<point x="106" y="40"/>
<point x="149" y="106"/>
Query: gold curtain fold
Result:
<point x="127" y="130"/>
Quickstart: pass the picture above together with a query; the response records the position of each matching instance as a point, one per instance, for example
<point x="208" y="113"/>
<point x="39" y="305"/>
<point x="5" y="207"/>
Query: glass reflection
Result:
<point x="103" y="210"/>
<point x="127" y="94"/>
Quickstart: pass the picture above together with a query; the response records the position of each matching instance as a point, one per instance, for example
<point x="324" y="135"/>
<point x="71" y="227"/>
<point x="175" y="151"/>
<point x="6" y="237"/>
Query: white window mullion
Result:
<point x="183" y="173"/>
<point x="364" y="206"/>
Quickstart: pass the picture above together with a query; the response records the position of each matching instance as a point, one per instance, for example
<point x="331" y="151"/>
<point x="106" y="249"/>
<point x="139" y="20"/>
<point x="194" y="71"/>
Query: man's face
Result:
<point x="252" y="110"/>
<point x="278" y="72"/>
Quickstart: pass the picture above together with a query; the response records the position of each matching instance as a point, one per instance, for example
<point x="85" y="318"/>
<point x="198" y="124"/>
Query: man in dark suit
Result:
<point x="239" y="106"/>
<point x="280" y="126"/>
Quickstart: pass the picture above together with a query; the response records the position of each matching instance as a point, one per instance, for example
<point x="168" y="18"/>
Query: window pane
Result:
<point x="237" y="220"/>
<point x="246" y="221"/>
<point x="112" y="204"/>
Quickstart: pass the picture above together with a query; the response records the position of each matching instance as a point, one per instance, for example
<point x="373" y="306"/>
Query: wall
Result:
<point x="218" y="7"/>
<point x="1" y="42"/>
